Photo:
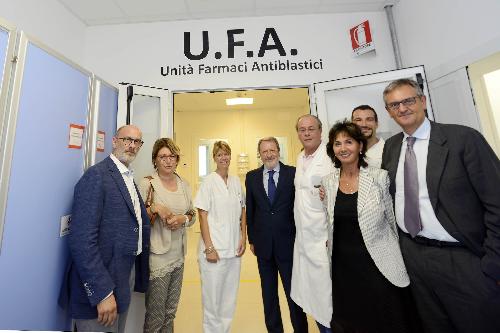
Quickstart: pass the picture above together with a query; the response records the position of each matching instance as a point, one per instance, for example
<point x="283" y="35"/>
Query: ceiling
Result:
<point x="264" y="99"/>
<point x="101" y="12"/>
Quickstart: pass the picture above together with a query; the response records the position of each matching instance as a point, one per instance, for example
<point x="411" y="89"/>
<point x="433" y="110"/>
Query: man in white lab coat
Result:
<point x="311" y="281"/>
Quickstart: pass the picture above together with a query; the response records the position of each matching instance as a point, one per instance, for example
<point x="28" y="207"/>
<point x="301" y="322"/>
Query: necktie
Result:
<point x="411" y="210"/>
<point x="271" y="186"/>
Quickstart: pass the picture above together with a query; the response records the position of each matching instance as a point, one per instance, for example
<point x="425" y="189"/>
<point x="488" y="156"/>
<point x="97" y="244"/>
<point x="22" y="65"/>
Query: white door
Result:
<point x="453" y="101"/>
<point x="149" y="111"/>
<point x="336" y="99"/>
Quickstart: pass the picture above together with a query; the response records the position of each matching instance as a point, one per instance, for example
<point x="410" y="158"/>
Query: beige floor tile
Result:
<point x="249" y="316"/>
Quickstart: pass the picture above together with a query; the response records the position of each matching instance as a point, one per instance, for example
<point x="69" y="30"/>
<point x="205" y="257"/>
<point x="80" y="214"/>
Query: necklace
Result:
<point x="349" y="186"/>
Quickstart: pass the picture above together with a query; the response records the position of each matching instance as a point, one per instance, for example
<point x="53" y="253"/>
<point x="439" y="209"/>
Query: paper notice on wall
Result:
<point x="75" y="136"/>
<point x="65" y="224"/>
<point x="100" y="141"/>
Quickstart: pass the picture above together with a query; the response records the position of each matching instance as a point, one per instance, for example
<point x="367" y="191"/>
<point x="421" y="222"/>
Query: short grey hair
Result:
<point x="402" y="82"/>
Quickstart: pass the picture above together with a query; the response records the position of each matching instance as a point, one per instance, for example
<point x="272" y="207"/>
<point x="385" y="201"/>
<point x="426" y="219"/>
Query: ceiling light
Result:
<point x="239" y="101"/>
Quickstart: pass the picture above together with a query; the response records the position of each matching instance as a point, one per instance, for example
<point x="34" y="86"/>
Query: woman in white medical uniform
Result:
<point x="221" y="207"/>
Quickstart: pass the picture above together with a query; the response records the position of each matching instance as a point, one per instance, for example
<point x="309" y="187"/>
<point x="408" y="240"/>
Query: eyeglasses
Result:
<point x="394" y="106"/>
<point x="167" y="157"/>
<point x="128" y="141"/>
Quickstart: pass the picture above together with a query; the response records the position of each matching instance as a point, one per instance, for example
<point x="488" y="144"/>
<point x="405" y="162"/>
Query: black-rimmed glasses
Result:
<point x="406" y="102"/>
<point x="128" y="141"/>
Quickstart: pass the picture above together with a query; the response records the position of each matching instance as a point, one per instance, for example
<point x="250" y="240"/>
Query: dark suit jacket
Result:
<point x="103" y="242"/>
<point x="463" y="180"/>
<point x="271" y="228"/>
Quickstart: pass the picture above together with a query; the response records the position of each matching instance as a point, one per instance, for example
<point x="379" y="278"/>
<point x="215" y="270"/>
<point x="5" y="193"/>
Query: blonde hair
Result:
<point x="221" y="145"/>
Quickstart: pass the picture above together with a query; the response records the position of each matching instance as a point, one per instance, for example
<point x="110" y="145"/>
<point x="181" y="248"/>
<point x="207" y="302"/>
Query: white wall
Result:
<point x="49" y="22"/>
<point x="135" y="52"/>
<point x="446" y="35"/>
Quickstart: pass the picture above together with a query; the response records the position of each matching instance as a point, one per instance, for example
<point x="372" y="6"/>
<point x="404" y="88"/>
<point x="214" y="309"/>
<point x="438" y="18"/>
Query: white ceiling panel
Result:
<point x="134" y="8"/>
<point x="100" y="12"/>
<point x="287" y="3"/>
<point x="214" y="6"/>
<point x="94" y="10"/>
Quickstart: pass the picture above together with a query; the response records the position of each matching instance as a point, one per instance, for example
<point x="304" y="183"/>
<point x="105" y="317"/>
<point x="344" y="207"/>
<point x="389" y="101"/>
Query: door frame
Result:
<point x="319" y="89"/>
<point x="166" y="111"/>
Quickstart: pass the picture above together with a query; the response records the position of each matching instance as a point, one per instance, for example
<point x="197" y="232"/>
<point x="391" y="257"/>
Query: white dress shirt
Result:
<point x="275" y="176"/>
<point x="128" y="178"/>
<point x="374" y="154"/>
<point x="306" y="159"/>
<point x="431" y="227"/>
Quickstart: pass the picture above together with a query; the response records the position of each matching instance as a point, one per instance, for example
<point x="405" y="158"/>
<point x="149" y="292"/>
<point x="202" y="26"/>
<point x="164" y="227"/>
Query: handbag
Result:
<point x="149" y="201"/>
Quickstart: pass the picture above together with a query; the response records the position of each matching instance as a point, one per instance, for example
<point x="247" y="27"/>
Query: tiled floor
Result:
<point x="249" y="317"/>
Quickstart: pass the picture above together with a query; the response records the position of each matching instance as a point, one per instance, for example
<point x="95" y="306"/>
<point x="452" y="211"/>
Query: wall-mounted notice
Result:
<point x="100" y="141"/>
<point x="75" y="136"/>
<point x="65" y="224"/>
<point x="361" y="39"/>
<point x="241" y="57"/>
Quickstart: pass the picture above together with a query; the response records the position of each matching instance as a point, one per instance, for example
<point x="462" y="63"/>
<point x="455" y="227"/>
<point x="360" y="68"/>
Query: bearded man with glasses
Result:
<point x="109" y="238"/>
<point x="445" y="182"/>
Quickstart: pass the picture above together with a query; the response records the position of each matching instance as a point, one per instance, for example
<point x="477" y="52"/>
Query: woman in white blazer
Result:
<point x="369" y="278"/>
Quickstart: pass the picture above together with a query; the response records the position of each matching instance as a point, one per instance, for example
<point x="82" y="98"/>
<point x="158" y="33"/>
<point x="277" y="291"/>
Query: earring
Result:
<point x="360" y="152"/>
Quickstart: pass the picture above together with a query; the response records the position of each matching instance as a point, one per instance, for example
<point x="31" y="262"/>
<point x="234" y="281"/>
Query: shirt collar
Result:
<point x="276" y="169"/>
<point x="121" y="167"/>
<point x="310" y="156"/>
<point x="423" y="132"/>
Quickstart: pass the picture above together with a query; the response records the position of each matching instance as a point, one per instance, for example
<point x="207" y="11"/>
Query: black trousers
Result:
<point x="268" y="270"/>
<point x="451" y="291"/>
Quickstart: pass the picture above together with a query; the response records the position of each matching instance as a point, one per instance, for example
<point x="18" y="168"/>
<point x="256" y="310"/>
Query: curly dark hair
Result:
<point x="350" y="129"/>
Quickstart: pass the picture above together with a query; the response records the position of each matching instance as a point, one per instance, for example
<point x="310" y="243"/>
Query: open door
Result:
<point x="147" y="108"/>
<point x="336" y="99"/>
<point x="102" y="123"/>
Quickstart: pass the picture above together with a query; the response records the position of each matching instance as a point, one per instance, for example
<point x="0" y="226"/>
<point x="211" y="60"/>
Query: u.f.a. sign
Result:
<point x="361" y="38"/>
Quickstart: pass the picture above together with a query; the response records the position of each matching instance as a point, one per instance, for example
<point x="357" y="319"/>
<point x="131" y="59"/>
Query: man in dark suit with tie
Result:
<point x="445" y="181"/>
<point x="109" y="236"/>
<point x="271" y="231"/>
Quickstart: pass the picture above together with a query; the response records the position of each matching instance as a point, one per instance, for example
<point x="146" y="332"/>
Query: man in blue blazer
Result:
<point x="271" y="232"/>
<point x="449" y="215"/>
<point x="109" y="236"/>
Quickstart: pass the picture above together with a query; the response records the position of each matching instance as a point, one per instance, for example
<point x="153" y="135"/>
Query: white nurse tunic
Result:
<point x="220" y="281"/>
<point x="223" y="203"/>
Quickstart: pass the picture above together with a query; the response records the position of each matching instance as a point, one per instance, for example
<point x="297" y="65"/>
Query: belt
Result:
<point x="431" y="242"/>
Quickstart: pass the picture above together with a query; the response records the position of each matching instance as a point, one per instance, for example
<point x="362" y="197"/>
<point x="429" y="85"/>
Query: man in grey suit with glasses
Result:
<point x="445" y="181"/>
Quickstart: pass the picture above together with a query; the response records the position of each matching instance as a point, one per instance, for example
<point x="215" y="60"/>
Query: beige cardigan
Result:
<point x="160" y="236"/>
